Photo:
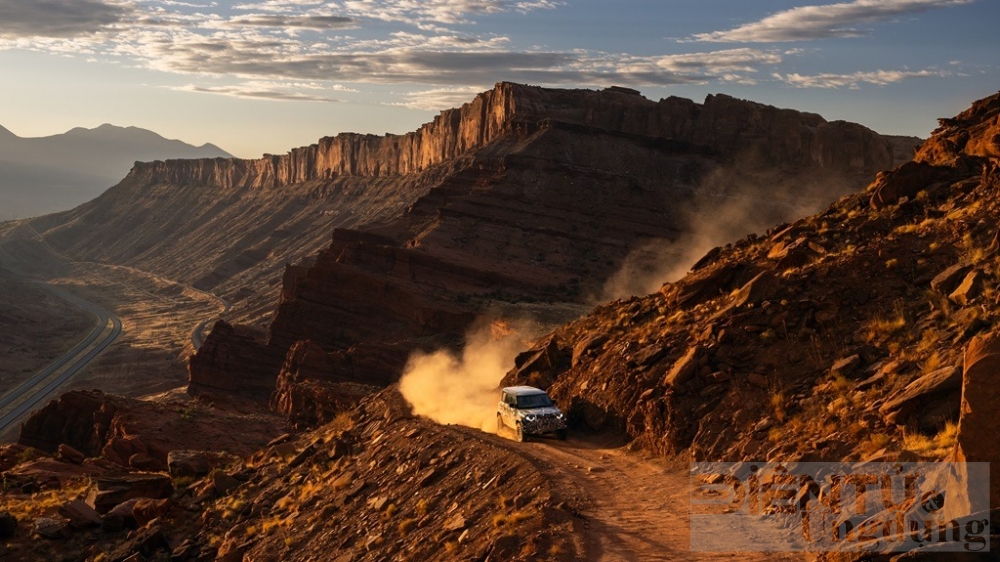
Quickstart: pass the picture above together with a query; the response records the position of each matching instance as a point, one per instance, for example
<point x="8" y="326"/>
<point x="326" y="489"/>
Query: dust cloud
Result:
<point x="724" y="210"/>
<point x="462" y="388"/>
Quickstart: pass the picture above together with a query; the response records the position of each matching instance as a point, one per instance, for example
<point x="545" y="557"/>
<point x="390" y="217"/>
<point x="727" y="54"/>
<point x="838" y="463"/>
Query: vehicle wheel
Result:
<point x="499" y="424"/>
<point x="519" y="434"/>
<point x="561" y="434"/>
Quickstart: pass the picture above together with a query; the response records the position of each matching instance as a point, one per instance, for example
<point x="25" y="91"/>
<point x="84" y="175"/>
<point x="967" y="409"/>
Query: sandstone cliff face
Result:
<point x="538" y="196"/>
<point x="724" y="124"/>
<point x="451" y="134"/>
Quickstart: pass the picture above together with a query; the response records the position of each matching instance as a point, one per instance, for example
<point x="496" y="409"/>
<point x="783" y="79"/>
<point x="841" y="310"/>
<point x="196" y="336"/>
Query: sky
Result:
<point x="265" y="76"/>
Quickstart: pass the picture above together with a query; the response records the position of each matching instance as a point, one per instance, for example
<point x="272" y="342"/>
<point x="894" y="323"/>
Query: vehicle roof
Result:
<point x="523" y="390"/>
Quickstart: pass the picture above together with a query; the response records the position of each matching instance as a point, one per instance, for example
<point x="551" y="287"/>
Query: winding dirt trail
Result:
<point x="633" y="509"/>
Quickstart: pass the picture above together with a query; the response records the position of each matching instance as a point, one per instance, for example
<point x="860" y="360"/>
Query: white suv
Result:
<point x="529" y="411"/>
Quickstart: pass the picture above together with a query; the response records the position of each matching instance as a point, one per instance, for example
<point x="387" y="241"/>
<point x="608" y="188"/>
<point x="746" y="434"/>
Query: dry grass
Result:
<point x="886" y="324"/>
<point x="42" y="503"/>
<point x="502" y="520"/>
<point x="874" y="443"/>
<point x="344" y="421"/>
<point x="406" y="526"/>
<point x="932" y="363"/>
<point x="778" y="406"/>
<point x="937" y="446"/>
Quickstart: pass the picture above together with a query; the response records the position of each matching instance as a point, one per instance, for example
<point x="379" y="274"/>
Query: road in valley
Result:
<point x="47" y="381"/>
<point x="198" y="333"/>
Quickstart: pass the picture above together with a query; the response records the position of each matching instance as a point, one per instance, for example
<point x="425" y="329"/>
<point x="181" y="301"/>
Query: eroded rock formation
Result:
<point x="539" y="197"/>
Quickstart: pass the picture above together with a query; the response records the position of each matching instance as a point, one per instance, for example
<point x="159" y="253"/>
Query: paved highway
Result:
<point x="34" y="386"/>
<point x="197" y="334"/>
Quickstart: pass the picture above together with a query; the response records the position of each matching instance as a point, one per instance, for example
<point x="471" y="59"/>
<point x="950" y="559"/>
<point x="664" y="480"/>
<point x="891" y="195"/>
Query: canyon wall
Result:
<point x="723" y="124"/>
<point x="538" y="198"/>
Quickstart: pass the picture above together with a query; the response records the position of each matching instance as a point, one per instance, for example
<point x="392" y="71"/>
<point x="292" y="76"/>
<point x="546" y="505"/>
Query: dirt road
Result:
<point x="633" y="509"/>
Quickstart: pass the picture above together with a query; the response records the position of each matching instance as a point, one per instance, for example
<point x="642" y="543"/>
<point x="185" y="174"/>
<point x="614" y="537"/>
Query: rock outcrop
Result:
<point x="830" y="338"/>
<point x="974" y="133"/>
<point x="980" y="392"/>
<point x="139" y="434"/>
<point x="539" y="195"/>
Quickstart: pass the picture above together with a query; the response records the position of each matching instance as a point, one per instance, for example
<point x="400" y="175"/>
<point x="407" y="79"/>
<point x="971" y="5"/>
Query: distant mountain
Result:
<point x="48" y="174"/>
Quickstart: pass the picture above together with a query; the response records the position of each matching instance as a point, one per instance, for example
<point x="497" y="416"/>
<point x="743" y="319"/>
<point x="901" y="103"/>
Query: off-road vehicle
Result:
<point x="529" y="411"/>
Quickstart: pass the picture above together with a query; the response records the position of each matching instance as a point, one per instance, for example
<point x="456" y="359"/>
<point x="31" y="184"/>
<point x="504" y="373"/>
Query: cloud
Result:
<point x="58" y="18"/>
<point x="806" y="23"/>
<point x="440" y="11"/>
<point x="441" y="98"/>
<point x="404" y="58"/>
<point x="731" y="60"/>
<point x="291" y="42"/>
<point x="316" y="22"/>
<point x="254" y="91"/>
<point x="854" y="80"/>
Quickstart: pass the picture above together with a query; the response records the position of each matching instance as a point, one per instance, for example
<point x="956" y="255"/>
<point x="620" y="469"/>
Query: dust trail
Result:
<point x="462" y="388"/>
<point x="725" y="209"/>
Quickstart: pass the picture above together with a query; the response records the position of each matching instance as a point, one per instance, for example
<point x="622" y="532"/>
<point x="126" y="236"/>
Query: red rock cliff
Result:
<point x="538" y="196"/>
<point x="723" y="124"/>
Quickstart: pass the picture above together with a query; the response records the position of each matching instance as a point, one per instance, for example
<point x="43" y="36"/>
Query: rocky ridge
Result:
<point x="559" y="187"/>
<point x="378" y="484"/>
<point x="839" y="336"/>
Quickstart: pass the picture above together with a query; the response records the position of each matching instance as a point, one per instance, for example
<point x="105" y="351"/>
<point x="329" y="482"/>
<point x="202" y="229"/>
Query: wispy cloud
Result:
<point x="856" y="79"/>
<point x="730" y="60"/>
<point x="440" y="11"/>
<point x="806" y="23"/>
<point x="440" y="98"/>
<point x="315" y="22"/>
<point x="255" y="91"/>
<point x="276" y="49"/>
<point x="58" y="18"/>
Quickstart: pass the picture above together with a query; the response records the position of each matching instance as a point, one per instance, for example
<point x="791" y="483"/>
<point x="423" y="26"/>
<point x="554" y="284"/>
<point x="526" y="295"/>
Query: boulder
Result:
<point x="224" y="483"/>
<point x="968" y="289"/>
<point x="703" y="285"/>
<point x="547" y="359"/>
<point x="121" y="516"/>
<point x="684" y="369"/>
<point x="585" y="345"/>
<point x="80" y="514"/>
<point x="949" y="279"/>
<point x="68" y="454"/>
<point x="113" y="490"/>
<point x="758" y="289"/>
<point x="191" y="464"/>
<point x="977" y="427"/>
<point x="929" y="401"/>
<point x="793" y="254"/>
<point x="52" y="528"/>
<point x="649" y="355"/>
<point x="145" y="510"/>
<point x="905" y="181"/>
<point x="847" y="366"/>
<point x="143" y="461"/>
